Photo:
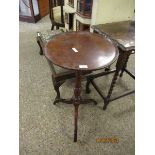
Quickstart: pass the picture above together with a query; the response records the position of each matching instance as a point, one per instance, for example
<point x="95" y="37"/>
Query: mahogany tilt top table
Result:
<point x="80" y="51"/>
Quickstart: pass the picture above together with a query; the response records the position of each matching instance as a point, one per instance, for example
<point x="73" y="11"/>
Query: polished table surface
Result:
<point x="121" y="32"/>
<point x="80" y="51"/>
<point x="91" y="51"/>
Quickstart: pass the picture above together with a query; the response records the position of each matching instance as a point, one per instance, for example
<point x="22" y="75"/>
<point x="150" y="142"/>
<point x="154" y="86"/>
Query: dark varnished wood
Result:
<point x="123" y="34"/>
<point x="94" y="51"/>
<point x="57" y="78"/>
<point x="52" y="4"/>
<point x="77" y="92"/>
<point x="123" y="56"/>
<point x="43" y="7"/>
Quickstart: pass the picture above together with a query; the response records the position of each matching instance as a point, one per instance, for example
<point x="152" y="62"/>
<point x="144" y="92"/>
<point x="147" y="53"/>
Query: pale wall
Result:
<point x="106" y="11"/>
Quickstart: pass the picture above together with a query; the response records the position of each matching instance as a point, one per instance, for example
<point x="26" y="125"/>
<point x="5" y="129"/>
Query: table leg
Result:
<point x="111" y="89"/>
<point x="87" y="86"/>
<point x="125" y="65"/>
<point x="77" y="91"/>
<point x="123" y="57"/>
<point x="76" y="100"/>
<point x="75" y="121"/>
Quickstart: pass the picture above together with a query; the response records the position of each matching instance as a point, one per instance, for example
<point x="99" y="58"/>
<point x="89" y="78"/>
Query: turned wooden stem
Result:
<point x="125" y="65"/>
<point x="77" y="91"/>
<point x="75" y="122"/>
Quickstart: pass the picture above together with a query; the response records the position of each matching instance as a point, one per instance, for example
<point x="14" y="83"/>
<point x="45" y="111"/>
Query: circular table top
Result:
<point x="81" y="51"/>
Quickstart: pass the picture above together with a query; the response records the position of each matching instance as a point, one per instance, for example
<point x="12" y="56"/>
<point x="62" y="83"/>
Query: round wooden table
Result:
<point x="80" y="51"/>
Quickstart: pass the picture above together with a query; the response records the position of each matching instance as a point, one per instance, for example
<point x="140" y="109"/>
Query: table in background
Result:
<point x="123" y="35"/>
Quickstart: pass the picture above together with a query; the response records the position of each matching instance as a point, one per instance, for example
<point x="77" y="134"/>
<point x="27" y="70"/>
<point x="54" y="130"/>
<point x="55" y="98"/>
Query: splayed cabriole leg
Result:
<point x="76" y="99"/>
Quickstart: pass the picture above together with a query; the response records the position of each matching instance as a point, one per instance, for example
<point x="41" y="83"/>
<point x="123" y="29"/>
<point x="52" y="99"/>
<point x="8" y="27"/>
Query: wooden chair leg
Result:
<point x="52" y="27"/>
<point x="122" y="59"/>
<point x="57" y="27"/>
<point x="56" y="87"/>
<point x="125" y="65"/>
<point x="57" y="91"/>
<point x="111" y="89"/>
<point x="41" y="50"/>
<point x="87" y="86"/>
